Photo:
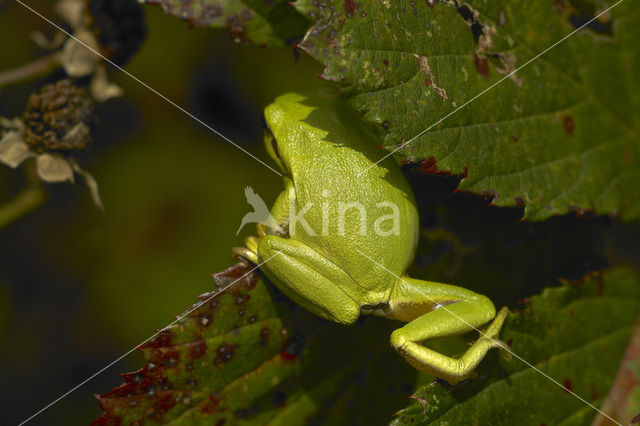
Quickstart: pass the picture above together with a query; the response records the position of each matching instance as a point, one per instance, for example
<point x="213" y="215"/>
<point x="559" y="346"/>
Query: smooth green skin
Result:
<point x="328" y="157"/>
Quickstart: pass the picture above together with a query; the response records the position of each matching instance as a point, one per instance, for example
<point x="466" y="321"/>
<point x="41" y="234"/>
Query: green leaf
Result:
<point x="560" y="135"/>
<point x="193" y="365"/>
<point x="250" y="356"/>
<point x="271" y="23"/>
<point x="576" y="334"/>
<point x="623" y="401"/>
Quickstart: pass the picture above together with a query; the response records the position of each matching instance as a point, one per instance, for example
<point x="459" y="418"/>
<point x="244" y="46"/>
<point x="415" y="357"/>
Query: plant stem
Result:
<point x="25" y="202"/>
<point x="39" y="67"/>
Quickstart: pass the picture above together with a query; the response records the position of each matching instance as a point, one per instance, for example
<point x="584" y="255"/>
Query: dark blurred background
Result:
<point x="79" y="287"/>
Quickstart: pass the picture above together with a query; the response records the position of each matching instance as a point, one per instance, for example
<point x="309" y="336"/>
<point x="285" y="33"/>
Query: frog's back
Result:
<point x="353" y="204"/>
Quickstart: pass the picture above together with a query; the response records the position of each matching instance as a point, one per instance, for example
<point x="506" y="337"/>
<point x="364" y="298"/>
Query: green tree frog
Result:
<point x="347" y="229"/>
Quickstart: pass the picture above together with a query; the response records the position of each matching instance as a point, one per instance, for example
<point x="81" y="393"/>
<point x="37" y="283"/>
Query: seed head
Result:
<point x="58" y="118"/>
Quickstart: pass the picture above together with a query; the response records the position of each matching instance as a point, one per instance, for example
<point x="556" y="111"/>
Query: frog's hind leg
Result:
<point x="435" y="310"/>
<point x="280" y="214"/>
<point x="309" y="279"/>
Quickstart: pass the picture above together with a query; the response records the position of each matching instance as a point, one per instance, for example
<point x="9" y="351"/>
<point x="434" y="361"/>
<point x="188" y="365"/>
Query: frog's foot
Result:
<point x="492" y="332"/>
<point x="245" y="253"/>
<point x="490" y="337"/>
<point x="250" y="251"/>
<point x="438" y="310"/>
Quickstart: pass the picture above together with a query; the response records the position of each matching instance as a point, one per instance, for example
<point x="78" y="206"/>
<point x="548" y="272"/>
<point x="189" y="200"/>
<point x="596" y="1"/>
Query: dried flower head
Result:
<point x="113" y="28"/>
<point x="59" y="118"/>
<point x="57" y="122"/>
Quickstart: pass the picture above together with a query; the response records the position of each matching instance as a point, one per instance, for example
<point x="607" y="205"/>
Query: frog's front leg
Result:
<point x="280" y="212"/>
<point x="437" y="310"/>
<point x="308" y="278"/>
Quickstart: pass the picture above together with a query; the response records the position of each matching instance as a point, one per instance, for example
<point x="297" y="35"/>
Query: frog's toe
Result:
<point x="245" y="253"/>
<point x="492" y="333"/>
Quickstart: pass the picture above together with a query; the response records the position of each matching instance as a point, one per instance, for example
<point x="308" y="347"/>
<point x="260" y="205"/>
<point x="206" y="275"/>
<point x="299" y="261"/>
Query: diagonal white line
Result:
<point x="492" y="86"/>
<point x="150" y="88"/>
<point x="502" y="345"/>
<point x="197" y="305"/>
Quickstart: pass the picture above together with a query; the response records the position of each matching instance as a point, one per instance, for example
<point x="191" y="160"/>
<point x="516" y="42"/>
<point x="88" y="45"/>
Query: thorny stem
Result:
<point x="24" y="203"/>
<point x="39" y="67"/>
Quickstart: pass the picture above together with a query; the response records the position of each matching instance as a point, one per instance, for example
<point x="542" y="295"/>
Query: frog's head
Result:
<point x="282" y="129"/>
<point x="291" y="134"/>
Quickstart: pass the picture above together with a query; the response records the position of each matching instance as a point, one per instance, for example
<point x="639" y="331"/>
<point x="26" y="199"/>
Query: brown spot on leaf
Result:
<point x="210" y="405"/>
<point x="519" y="201"/>
<point x="514" y="138"/>
<point x="349" y="7"/>
<point x="291" y="348"/>
<point x="385" y="62"/>
<point x="164" y="402"/>
<point x="198" y="349"/>
<point x="241" y="298"/>
<point x="568" y="124"/>
<point x="568" y="385"/>
<point x="136" y="383"/>
<point x="225" y="353"/>
<point x="559" y="6"/>
<point x="162" y="339"/>
<point x="237" y="25"/>
<point x="482" y="65"/>
<point x="429" y="166"/>
<point x="237" y="272"/>
<point x="264" y="335"/>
